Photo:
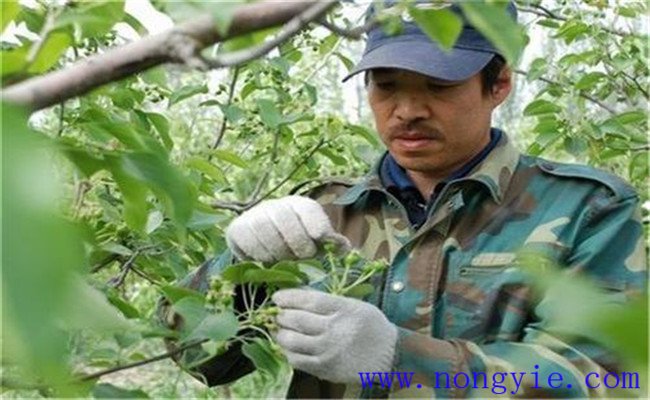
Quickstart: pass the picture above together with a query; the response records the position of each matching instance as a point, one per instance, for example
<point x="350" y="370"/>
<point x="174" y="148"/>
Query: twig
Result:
<point x="580" y="93"/>
<point x="61" y="115"/>
<point x="42" y="37"/>
<point x="302" y="162"/>
<point x="126" y="267"/>
<point x="145" y="276"/>
<point x="354" y="33"/>
<point x="142" y="362"/>
<point x="292" y="27"/>
<point x="82" y="188"/>
<point x="104" y="263"/>
<point x="545" y="12"/>
<point x="224" y="122"/>
<point x="240" y="207"/>
<point x="637" y="84"/>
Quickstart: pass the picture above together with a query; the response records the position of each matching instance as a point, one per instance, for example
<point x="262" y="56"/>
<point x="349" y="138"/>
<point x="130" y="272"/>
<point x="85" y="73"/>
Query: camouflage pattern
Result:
<point x="453" y="287"/>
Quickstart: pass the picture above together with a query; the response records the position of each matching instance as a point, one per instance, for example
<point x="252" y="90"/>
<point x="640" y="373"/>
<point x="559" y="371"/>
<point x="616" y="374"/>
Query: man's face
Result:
<point x="432" y="127"/>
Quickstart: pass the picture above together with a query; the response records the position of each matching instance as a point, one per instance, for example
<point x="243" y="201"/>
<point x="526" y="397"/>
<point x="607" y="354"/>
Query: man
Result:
<point x="449" y="205"/>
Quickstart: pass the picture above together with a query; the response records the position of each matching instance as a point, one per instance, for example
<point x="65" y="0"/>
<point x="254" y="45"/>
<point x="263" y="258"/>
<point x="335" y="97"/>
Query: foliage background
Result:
<point x="132" y="185"/>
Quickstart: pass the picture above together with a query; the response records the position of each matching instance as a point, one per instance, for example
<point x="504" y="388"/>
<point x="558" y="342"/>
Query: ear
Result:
<point x="502" y="86"/>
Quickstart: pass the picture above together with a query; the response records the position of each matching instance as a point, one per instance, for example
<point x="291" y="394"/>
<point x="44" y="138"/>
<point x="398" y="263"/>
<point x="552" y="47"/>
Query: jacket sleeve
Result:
<point x="609" y="248"/>
<point x="223" y="368"/>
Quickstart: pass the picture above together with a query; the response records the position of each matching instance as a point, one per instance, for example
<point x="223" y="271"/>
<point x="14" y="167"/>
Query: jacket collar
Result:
<point x="494" y="173"/>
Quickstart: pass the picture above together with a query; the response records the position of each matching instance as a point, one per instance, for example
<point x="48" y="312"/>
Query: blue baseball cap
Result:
<point x="413" y="50"/>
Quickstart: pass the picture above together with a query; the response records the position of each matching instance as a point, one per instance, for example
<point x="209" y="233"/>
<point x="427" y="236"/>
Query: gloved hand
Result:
<point x="288" y="228"/>
<point x="333" y="337"/>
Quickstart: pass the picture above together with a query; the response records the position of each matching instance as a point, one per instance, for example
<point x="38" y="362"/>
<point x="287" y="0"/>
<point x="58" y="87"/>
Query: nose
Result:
<point x="412" y="107"/>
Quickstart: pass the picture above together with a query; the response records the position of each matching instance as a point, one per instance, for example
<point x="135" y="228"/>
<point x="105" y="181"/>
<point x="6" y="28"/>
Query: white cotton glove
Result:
<point x="288" y="228"/>
<point x="333" y="337"/>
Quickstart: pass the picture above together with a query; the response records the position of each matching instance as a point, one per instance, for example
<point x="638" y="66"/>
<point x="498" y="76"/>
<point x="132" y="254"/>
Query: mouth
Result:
<point x="413" y="141"/>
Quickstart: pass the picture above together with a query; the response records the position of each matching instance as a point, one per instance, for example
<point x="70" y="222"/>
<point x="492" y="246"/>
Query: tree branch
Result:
<point x="581" y="93"/>
<point x="180" y="44"/>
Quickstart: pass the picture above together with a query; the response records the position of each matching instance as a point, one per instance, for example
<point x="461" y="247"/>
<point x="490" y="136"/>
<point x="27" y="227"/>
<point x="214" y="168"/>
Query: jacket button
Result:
<point x="397" y="286"/>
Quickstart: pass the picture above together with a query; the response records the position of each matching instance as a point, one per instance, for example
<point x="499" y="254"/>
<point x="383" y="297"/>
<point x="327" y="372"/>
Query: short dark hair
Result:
<point x="489" y="73"/>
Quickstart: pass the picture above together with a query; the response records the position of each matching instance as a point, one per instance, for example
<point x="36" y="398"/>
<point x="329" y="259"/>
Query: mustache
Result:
<point x="413" y="129"/>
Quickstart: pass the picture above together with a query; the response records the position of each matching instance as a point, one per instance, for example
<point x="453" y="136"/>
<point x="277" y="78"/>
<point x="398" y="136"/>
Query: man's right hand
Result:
<point x="291" y="227"/>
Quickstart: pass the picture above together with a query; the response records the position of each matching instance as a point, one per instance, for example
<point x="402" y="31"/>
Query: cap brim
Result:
<point x="424" y="58"/>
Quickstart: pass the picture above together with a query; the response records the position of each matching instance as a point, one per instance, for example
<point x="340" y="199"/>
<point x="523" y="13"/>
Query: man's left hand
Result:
<point x="333" y="337"/>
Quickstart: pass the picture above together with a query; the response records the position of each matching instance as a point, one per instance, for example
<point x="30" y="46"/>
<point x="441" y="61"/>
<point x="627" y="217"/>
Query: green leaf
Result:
<point x="117" y="248"/>
<point x="328" y="44"/>
<point x="335" y="158"/>
<point x="154" y="221"/>
<point x="208" y="169"/>
<point x="192" y="311"/>
<point x="161" y="124"/>
<point x="134" y="194"/>
<point x="102" y="125"/>
<point x="571" y="30"/>
<point x="547" y="22"/>
<point x="541" y="107"/>
<point x="236" y="273"/>
<point x="13" y="60"/>
<point x="575" y="145"/>
<point x="159" y="175"/>
<point x="176" y="293"/>
<point x="365" y="133"/>
<point x="360" y="291"/>
<point x="232" y="113"/>
<point x="246" y="41"/>
<point x="271" y="276"/>
<point x="86" y="162"/>
<point x="186" y="92"/>
<point x="50" y="52"/>
<point x="630" y="117"/>
<point x="589" y="80"/>
<point x="442" y="26"/>
<point x="312" y="93"/>
<point x="292" y="268"/>
<point x="264" y="359"/>
<point x="109" y="391"/>
<point x="493" y="21"/>
<point x="92" y="18"/>
<point x="269" y="113"/>
<point x="222" y="326"/>
<point x="155" y="76"/>
<point x="639" y="166"/>
<point x="349" y="64"/>
<point x="126" y="308"/>
<point x="537" y="68"/>
<point x="90" y="309"/>
<point x="10" y="9"/>
<point x="40" y="256"/>
<point x="203" y="220"/>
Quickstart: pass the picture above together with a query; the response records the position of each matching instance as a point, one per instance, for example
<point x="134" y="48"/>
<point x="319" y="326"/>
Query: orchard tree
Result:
<point x="125" y="159"/>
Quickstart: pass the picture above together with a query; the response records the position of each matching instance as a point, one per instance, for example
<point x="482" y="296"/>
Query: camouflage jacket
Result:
<point x="453" y="288"/>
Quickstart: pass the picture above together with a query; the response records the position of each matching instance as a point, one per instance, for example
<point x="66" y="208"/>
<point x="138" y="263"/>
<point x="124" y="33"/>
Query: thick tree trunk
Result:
<point x="177" y="45"/>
